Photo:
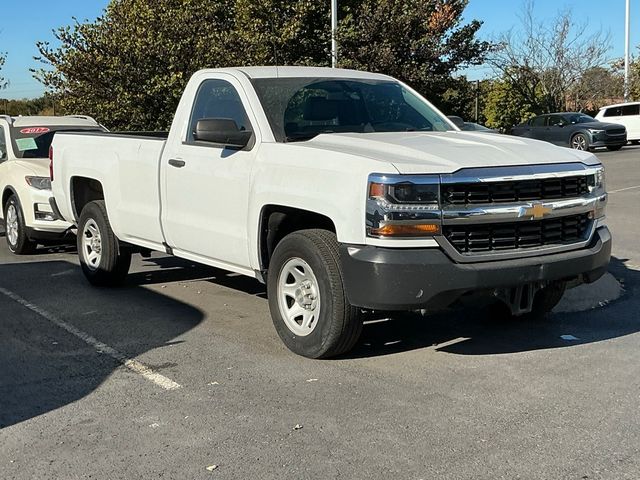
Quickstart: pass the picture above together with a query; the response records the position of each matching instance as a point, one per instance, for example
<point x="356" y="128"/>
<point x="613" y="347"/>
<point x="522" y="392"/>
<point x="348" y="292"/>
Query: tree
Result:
<point x="597" y="87"/>
<point x="546" y="62"/>
<point x="3" y="82"/>
<point x="504" y="106"/>
<point x="35" y="106"/>
<point x="421" y="42"/>
<point x="129" y="67"/>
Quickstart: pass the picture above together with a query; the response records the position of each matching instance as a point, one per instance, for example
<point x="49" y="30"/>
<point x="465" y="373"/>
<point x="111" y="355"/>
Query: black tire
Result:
<point x="339" y="324"/>
<point x="22" y="244"/>
<point x="614" y="149"/>
<point x="580" y="142"/>
<point x="113" y="263"/>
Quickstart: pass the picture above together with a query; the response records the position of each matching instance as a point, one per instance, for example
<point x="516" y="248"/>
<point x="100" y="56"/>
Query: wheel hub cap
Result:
<point x="12" y="224"/>
<point x="91" y="245"/>
<point x="298" y="297"/>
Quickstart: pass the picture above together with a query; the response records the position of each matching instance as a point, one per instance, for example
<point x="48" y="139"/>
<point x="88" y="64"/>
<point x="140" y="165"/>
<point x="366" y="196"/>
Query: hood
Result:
<point x="447" y="152"/>
<point x="600" y="125"/>
<point x="38" y="167"/>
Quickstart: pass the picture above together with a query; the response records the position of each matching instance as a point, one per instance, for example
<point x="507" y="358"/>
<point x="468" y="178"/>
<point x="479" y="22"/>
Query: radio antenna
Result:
<point x="275" y="47"/>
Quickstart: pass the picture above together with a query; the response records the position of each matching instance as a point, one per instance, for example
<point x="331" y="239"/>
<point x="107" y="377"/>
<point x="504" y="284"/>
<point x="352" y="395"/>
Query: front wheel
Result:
<point x="15" y="228"/>
<point x="103" y="261"/>
<point x="580" y="142"/>
<point x="307" y="300"/>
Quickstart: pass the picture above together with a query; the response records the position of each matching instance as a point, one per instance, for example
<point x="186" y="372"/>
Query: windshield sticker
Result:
<point x="35" y="130"/>
<point x="25" y="144"/>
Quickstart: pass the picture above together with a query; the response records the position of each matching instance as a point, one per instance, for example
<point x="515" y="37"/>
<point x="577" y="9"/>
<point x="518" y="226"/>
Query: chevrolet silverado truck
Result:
<point x="24" y="179"/>
<point x="345" y="192"/>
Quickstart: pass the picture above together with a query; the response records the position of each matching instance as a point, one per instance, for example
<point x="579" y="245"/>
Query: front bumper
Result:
<point x="410" y="279"/>
<point x="604" y="140"/>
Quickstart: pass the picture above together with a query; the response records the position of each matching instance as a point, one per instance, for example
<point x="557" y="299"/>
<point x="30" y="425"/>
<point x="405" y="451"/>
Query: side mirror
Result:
<point x="457" y="121"/>
<point x="221" y="131"/>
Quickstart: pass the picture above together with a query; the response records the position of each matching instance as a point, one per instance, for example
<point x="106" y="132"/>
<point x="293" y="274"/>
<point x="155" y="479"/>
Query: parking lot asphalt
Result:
<point x="180" y="375"/>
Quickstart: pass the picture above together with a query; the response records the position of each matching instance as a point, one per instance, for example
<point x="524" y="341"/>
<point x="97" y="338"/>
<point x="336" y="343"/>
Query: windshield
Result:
<point x="301" y="108"/>
<point x="581" y="118"/>
<point x="34" y="142"/>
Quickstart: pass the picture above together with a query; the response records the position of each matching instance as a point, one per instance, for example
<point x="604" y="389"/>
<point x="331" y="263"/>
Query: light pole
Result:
<point x="334" y="28"/>
<point x="627" y="30"/>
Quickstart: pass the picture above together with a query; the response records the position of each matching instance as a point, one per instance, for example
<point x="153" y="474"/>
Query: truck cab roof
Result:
<point x="289" y="72"/>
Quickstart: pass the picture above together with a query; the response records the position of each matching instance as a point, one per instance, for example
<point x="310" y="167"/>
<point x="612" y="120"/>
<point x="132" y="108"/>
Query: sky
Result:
<point x="22" y="24"/>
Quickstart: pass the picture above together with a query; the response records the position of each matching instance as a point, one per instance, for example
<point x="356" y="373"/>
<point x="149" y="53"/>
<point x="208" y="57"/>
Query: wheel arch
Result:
<point x="84" y="190"/>
<point x="277" y="221"/>
<point x="6" y="194"/>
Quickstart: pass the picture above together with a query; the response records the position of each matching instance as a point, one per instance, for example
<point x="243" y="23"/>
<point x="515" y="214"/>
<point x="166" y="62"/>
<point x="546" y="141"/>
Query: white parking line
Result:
<point x="129" y="363"/>
<point x="623" y="189"/>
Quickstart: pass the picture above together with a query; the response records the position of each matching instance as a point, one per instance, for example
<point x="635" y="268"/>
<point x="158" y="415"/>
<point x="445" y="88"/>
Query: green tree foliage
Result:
<point x="129" y="67"/>
<point x="419" y="42"/>
<point x="504" y="106"/>
<point x="35" y="106"/>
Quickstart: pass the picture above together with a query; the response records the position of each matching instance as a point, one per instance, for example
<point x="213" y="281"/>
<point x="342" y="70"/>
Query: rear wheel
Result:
<point x="580" y="142"/>
<point x="307" y="300"/>
<point x="15" y="228"/>
<point x="102" y="259"/>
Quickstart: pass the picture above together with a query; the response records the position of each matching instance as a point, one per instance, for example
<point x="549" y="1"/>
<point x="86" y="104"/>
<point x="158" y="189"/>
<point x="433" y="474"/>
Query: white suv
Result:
<point x="25" y="184"/>
<point x="627" y="114"/>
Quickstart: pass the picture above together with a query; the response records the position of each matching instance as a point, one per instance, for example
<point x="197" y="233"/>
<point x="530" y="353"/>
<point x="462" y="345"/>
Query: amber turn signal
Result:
<point x="406" y="230"/>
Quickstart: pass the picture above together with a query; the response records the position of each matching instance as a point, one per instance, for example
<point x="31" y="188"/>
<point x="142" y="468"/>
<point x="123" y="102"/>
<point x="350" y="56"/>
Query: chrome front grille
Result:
<point x="489" y="237"/>
<point x="515" y="191"/>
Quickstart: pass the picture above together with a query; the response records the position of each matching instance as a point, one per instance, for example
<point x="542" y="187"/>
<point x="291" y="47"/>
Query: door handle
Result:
<point x="177" y="163"/>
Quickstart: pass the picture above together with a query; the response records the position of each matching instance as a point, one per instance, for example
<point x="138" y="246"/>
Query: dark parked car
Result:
<point x="470" y="126"/>
<point x="575" y="130"/>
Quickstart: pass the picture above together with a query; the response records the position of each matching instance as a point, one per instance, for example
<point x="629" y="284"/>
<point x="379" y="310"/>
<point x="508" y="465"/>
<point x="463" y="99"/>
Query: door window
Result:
<point x="217" y="99"/>
<point x="537" y="122"/>
<point x="3" y="146"/>
<point x="613" y="112"/>
<point x="628" y="110"/>
<point x="555" y="120"/>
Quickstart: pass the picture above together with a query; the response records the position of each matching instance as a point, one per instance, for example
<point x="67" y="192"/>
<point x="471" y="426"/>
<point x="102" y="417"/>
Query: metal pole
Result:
<point x="626" y="50"/>
<point x="334" y="28"/>
<point x="477" y="109"/>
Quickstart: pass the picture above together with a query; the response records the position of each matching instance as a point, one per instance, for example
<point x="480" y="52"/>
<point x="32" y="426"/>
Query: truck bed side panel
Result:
<point x="127" y="168"/>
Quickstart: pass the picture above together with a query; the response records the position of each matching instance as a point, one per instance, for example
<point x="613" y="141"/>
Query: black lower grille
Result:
<point x="514" y="191"/>
<point x="514" y="235"/>
<point x="615" y="131"/>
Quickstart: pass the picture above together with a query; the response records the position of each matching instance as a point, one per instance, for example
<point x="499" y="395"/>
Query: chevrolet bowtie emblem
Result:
<point x="537" y="211"/>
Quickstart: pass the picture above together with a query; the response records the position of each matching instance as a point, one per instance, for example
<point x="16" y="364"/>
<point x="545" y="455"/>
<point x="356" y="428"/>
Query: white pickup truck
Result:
<point x="345" y="192"/>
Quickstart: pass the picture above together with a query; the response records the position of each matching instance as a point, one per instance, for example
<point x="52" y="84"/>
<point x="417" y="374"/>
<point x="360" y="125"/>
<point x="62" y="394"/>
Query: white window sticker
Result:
<point x="25" y="144"/>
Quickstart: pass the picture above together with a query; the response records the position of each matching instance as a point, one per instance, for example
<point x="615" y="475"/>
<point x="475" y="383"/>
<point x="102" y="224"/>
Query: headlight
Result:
<point x="403" y="206"/>
<point x="597" y="180"/>
<point x="40" y="183"/>
<point x="595" y="131"/>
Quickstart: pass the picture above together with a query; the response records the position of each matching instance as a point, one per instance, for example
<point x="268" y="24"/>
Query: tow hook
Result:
<point x="519" y="299"/>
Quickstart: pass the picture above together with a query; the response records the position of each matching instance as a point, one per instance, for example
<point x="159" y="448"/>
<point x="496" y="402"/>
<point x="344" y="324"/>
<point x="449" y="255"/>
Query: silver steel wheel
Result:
<point x="298" y="297"/>
<point x="12" y="225"/>
<point x="92" y="244"/>
<point x="579" y="142"/>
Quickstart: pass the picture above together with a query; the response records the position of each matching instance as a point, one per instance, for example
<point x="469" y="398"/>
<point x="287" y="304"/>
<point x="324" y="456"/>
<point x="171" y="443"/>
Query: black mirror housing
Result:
<point x="221" y="131"/>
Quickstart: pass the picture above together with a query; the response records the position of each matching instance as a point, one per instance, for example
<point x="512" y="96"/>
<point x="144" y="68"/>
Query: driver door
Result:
<point x="207" y="186"/>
